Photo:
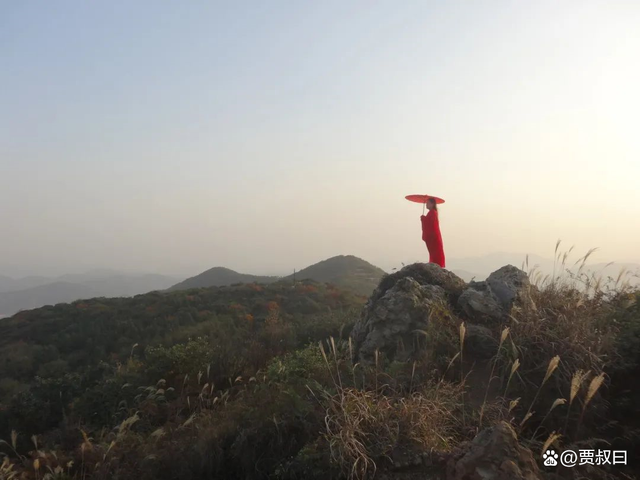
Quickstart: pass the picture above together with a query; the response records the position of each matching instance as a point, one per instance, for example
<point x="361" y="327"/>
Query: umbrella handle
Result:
<point x="423" y="206"/>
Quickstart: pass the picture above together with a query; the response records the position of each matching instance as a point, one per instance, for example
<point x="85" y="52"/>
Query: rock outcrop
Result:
<point x="480" y="342"/>
<point x="479" y="303"/>
<point x="403" y="302"/>
<point x="492" y="300"/>
<point x="510" y="285"/>
<point x="494" y="454"/>
<point x="424" y="274"/>
<point x="392" y="319"/>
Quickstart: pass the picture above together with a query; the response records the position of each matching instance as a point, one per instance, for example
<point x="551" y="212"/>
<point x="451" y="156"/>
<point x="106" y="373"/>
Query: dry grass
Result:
<point x="568" y="329"/>
<point x="594" y="386"/>
<point x="463" y="333"/>
<point x="363" y="426"/>
<point x="550" y="357"/>
<point x="7" y="471"/>
<point x="503" y="337"/>
<point x="543" y="358"/>
<point x="359" y="428"/>
<point x="551" y="367"/>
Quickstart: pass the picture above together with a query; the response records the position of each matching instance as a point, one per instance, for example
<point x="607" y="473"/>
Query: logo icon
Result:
<point x="572" y="458"/>
<point x="550" y="458"/>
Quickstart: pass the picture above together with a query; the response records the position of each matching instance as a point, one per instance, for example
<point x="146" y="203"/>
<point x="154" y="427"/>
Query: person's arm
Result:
<point x="426" y="227"/>
<point x="430" y="226"/>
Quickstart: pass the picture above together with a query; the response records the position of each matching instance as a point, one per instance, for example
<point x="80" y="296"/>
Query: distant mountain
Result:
<point x="345" y="271"/>
<point x="627" y="272"/>
<point x="126" y="286"/>
<point x="50" y="294"/>
<point x="220" y="276"/>
<point x="484" y="265"/>
<point x="6" y="283"/>
<point x="67" y="288"/>
<point x="466" y="276"/>
<point x="9" y="284"/>
<point x="112" y="279"/>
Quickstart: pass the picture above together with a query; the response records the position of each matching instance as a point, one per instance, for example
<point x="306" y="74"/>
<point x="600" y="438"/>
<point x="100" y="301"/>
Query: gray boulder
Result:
<point x="491" y="301"/>
<point x="494" y="454"/>
<point x="478" y="303"/>
<point x="424" y="274"/>
<point x="479" y="342"/>
<point x="509" y="285"/>
<point x="390" y="319"/>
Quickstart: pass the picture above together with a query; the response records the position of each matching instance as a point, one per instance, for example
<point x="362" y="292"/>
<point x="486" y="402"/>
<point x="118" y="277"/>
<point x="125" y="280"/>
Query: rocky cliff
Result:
<point x="403" y="307"/>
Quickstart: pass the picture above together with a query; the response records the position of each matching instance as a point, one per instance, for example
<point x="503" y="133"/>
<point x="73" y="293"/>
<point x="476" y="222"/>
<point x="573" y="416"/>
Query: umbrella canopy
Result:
<point x="423" y="198"/>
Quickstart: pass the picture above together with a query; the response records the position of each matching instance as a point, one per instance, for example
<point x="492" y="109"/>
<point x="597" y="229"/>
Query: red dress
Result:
<point x="432" y="237"/>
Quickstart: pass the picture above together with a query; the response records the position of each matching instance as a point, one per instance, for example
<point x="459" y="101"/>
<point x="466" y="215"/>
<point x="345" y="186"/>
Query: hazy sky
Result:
<point x="263" y="136"/>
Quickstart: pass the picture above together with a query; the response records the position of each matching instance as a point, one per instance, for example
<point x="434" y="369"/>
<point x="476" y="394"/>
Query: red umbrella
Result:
<point x="423" y="199"/>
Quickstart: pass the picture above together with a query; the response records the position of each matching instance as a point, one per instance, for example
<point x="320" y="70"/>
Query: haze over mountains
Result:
<point x="33" y="292"/>
<point x="480" y="267"/>
<point x="345" y="271"/>
<point x="111" y="280"/>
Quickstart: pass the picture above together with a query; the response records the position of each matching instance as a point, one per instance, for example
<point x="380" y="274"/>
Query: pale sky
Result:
<point x="175" y="136"/>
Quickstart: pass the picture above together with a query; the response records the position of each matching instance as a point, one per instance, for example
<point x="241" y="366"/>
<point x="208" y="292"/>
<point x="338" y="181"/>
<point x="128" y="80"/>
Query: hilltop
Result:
<point x="346" y="271"/>
<point x="219" y="276"/>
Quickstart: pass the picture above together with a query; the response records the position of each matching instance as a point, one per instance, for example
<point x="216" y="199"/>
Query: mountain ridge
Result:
<point x="220" y="276"/>
<point x="71" y="287"/>
<point x="347" y="271"/>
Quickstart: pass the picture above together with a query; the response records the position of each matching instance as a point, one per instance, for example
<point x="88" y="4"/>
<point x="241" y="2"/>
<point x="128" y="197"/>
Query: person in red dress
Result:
<point x="431" y="233"/>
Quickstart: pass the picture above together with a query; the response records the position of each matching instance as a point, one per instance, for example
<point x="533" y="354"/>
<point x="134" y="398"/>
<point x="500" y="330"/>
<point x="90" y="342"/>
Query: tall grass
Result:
<point x="463" y="332"/>
<point x="503" y="337"/>
<point x="363" y="425"/>
<point x="550" y="363"/>
<point x="572" y="317"/>
<point x="594" y="386"/>
<point x="551" y="367"/>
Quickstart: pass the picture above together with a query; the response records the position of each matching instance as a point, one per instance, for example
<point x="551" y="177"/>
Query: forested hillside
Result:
<point x="346" y="271"/>
<point x="220" y="276"/>
<point x="65" y="353"/>
<point x="433" y="378"/>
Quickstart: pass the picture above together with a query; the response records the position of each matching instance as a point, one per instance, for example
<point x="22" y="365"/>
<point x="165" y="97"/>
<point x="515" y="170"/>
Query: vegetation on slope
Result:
<point x="256" y="382"/>
<point x="57" y="343"/>
<point x="220" y="276"/>
<point x="345" y="271"/>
